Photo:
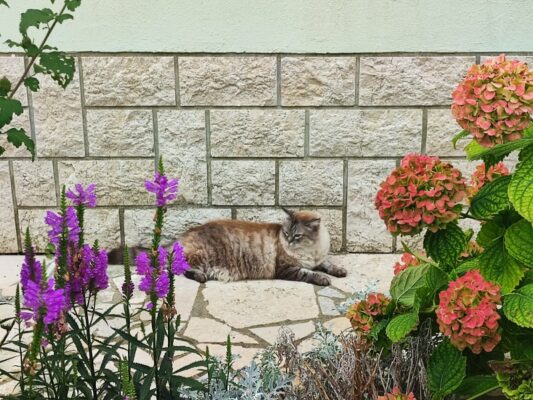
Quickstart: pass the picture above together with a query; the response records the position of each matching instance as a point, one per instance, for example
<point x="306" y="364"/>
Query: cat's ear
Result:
<point x="288" y="212"/>
<point x="313" y="224"/>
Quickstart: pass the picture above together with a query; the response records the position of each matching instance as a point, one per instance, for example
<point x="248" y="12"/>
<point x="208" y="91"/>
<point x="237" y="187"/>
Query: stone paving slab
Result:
<point x="251" y="312"/>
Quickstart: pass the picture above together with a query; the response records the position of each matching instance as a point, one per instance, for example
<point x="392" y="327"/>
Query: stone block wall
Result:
<point x="245" y="133"/>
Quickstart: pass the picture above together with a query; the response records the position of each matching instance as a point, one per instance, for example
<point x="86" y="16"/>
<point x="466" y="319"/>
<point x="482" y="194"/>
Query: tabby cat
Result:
<point x="233" y="250"/>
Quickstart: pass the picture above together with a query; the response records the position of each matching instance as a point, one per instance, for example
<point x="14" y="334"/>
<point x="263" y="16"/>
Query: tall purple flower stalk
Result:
<point x="58" y="223"/>
<point x="165" y="189"/>
<point x="81" y="196"/>
<point x="179" y="263"/>
<point x="32" y="269"/>
<point x="155" y="281"/>
<point x="43" y="301"/>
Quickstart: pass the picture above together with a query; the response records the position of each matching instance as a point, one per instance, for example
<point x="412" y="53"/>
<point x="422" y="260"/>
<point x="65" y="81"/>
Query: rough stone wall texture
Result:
<point x="246" y="134"/>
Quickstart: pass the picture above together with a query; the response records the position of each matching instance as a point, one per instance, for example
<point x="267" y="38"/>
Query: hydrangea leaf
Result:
<point x="445" y="245"/>
<point x="491" y="198"/>
<point x="34" y="18"/>
<point x="521" y="189"/>
<point x="9" y="108"/>
<point x="518" y="306"/>
<point x="400" y="326"/>
<point x="377" y="329"/>
<point x="490" y="232"/>
<point x="475" y="151"/>
<point x="517" y="340"/>
<point x="404" y="285"/>
<point x="446" y="370"/>
<point x="526" y="153"/>
<point x="466" y="266"/>
<point x="474" y="387"/>
<point x="496" y="265"/>
<point x="519" y="242"/>
<point x="458" y="137"/>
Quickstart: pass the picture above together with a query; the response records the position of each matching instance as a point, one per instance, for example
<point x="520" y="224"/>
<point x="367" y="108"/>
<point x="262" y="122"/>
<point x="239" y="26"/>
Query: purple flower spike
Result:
<point x="143" y="264"/>
<point x="83" y="196"/>
<point x="162" y="285"/>
<point x="127" y="289"/>
<point x="31" y="271"/>
<point x="57" y="222"/>
<point x="179" y="262"/>
<point x="144" y="268"/>
<point x="99" y="272"/>
<point x="165" y="190"/>
<point x="45" y="302"/>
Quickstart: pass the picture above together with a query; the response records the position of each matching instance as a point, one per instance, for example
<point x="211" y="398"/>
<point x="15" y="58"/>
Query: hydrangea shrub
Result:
<point x="474" y="288"/>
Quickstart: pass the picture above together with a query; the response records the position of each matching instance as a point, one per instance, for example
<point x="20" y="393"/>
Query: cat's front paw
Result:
<point x="321" y="280"/>
<point x="338" y="272"/>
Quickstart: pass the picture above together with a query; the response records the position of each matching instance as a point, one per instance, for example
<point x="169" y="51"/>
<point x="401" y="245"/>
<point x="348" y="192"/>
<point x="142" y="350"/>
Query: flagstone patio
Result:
<point x="251" y="312"/>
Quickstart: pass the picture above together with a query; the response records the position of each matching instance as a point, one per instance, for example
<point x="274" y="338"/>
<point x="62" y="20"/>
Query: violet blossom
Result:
<point x="144" y="268"/>
<point x="83" y="196"/>
<point x="43" y="301"/>
<point x="165" y="190"/>
<point x="179" y="263"/>
<point x="58" y="222"/>
<point x="32" y="270"/>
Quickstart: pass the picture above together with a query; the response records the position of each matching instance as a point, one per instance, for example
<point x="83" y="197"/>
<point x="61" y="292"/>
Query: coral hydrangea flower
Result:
<point x="481" y="176"/>
<point x="396" y="394"/>
<point x="422" y="192"/>
<point x="362" y="314"/>
<point x="495" y="100"/>
<point x="179" y="262"/>
<point x="165" y="189"/>
<point x="407" y="260"/>
<point x="467" y="313"/>
<point x="83" y="196"/>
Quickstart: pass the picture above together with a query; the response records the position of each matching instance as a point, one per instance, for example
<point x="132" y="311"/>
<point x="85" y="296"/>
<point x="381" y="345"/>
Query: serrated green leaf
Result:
<point x="446" y="370"/>
<point x="466" y="266"/>
<point x="445" y="245"/>
<point x="34" y="18"/>
<point x="58" y="65"/>
<point x="491" y="198"/>
<point x="518" y="306"/>
<point x="18" y="137"/>
<point x="526" y="153"/>
<point x="458" y="137"/>
<point x="436" y="278"/>
<point x="32" y="83"/>
<point x="519" y="242"/>
<point x="377" y="329"/>
<point x="475" y="151"/>
<point x="517" y="340"/>
<point x="5" y="86"/>
<point x="400" y="326"/>
<point x="404" y="285"/>
<point x="490" y="232"/>
<point x="64" y="17"/>
<point x="497" y="266"/>
<point x="521" y="189"/>
<point x="476" y="386"/>
<point x="8" y="109"/>
<point x="72" y="4"/>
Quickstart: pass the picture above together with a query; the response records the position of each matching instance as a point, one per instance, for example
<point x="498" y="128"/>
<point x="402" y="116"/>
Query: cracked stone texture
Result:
<point x="364" y="133"/>
<point x="21" y="121"/>
<point x="138" y="224"/>
<point x="317" y="81"/>
<point x="270" y="333"/>
<point x="441" y="129"/>
<point x="8" y="235"/>
<point x="327" y="306"/>
<point x="399" y="81"/>
<point x="129" y="81"/>
<point x="316" y="182"/>
<point x="12" y="68"/>
<point x="209" y="330"/>
<point x="101" y="224"/>
<point x="251" y="303"/>
<point x="243" y="182"/>
<point x="365" y="231"/>
<point x="34" y="183"/>
<point x="182" y="143"/>
<point x="118" y="182"/>
<point x="332" y="219"/>
<point x="257" y="133"/>
<point x="227" y="81"/>
<point x="125" y="133"/>
<point x="58" y="119"/>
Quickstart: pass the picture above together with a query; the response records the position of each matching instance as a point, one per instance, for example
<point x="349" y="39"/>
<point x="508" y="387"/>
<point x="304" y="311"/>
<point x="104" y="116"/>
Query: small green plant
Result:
<point x="42" y="59"/>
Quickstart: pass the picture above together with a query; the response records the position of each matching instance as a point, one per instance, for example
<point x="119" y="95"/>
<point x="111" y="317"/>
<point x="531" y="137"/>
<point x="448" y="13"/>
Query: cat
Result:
<point x="234" y="250"/>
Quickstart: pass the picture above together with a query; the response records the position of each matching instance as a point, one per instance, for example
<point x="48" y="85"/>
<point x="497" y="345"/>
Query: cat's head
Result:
<point x="301" y="228"/>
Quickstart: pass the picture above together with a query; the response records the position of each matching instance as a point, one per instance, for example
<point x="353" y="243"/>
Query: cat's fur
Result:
<point x="233" y="250"/>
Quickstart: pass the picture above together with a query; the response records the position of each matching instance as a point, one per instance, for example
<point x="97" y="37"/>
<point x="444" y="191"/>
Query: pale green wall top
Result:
<point x="292" y="26"/>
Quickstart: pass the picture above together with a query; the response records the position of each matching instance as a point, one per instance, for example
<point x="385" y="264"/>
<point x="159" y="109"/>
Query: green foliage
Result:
<point x="445" y="245"/>
<point x="498" y="266"/>
<point x="518" y="306"/>
<point x="491" y="198"/>
<point x="521" y="189"/>
<point x="473" y="387"/>
<point x="405" y="284"/>
<point x="519" y="242"/>
<point x="446" y="370"/>
<point x="400" y="326"/>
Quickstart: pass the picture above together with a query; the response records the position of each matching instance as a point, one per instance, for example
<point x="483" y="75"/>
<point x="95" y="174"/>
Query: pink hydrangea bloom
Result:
<point x="422" y="192"/>
<point x="495" y="100"/>
<point x="397" y="394"/>
<point x="481" y="176"/>
<point x="363" y="313"/>
<point x="407" y="260"/>
<point x="467" y="313"/>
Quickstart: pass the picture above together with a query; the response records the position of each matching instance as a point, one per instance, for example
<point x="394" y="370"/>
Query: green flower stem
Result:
<point x="89" y="344"/>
